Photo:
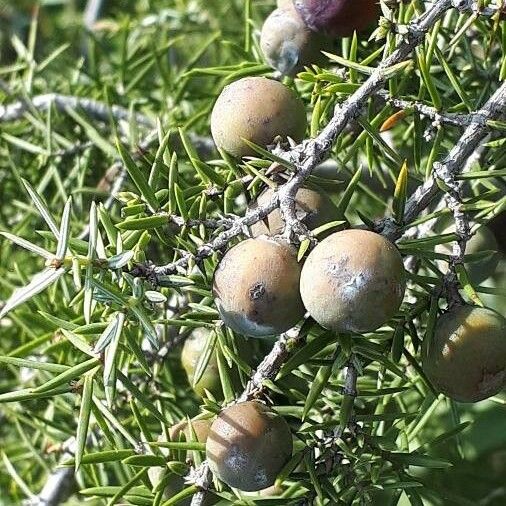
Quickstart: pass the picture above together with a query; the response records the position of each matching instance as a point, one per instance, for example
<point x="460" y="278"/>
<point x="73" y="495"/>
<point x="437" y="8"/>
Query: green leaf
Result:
<point x="418" y="460"/>
<point x="38" y="283"/>
<point x="158" y="162"/>
<point x="42" y="208"/>
<point x="146" y="223"/>
<point x="29" y="394"/>
<point x="84" y="419"/>
<point x="80" y="343"/>
<point x="145" y="461"/>
<point x="319" y="383"/>
<point x="180" y="445"/>
<point x="138" y="178"/>
<point x="110" y="358"/>
<point x="91" y="255"/>
<point x="66" y="376"/>
<point x="400" y="194"/>
<point x="101" y="457"/>
<point x="348" y="193"/>
<point x="28" y="245"/>
<point x="32" y="364"/>
<point x="204" y="358"/>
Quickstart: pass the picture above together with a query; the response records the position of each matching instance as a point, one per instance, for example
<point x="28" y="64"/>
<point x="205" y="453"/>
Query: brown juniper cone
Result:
<point x="313" y="208"/>
<point x="256" y="287"/>
<point x="483" y="240"/>
<point x="259" y="110"/>
<point x="466" y="359"/>
<point x="248" y="445"/>
<point x="175" y="483"/>
<point x="353" y="281"/>
<point x="288" y="44"/>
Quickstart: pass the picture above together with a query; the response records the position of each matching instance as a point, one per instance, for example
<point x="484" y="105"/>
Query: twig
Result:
<point x="439" y="117"/>
<point x="60" y="483"/>
<point x="476" y="8"/>
<point x="452" y="165"/>
<point x="95" y="109"/>
<point x="331" y="454"/>
<point x="153" y="273"/>
<point x="91" y="13"/>
<point x="271" y="364"/>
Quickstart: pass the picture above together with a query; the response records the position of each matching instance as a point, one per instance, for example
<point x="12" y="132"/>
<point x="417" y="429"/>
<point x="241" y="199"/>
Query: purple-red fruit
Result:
<point x="338" y="17"/>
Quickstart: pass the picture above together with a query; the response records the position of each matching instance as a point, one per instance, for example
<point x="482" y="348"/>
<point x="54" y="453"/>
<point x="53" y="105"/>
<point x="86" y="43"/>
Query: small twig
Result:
<point x="95" y="109"/>
<point x="331" y="454"/>
<point x="475" y="6"/>
<point x="438" y="117"/>
<point x="91" y="13"/>
<point x="452" y="165"/>
<point x="60" y="483"/>
<point x="271" y="364"/>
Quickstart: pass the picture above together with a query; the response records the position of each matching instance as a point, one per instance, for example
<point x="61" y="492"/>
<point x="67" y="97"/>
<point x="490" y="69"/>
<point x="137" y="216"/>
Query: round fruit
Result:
<point x="256" y="288"/>
<point x="288" y="44"/>
<point x="353" y="281"/>
<point x="257" y="109"/>
<point x="199" y="430"/>
<point x="314" y="208"/>
<point x="466" y="359"/>
<point x="248" y="445"/>
<point x="496" y="301"/>
<point x="498" y="227"/>
<point x="338" y="17"/>
<point x="483" y="240"/>
<point x="192" y="350"/>
<point x="175" y="483"/>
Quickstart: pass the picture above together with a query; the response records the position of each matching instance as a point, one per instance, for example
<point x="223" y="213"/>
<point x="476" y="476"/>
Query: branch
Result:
<point x="60" y="483"/>
<point x="91" y="13"/>
<point x="439" y="117"/>
<point x="307" y="155"/>
<point x="268" y="369"/>
<point x="95" y="109"/>
<point x="451" y="166"/>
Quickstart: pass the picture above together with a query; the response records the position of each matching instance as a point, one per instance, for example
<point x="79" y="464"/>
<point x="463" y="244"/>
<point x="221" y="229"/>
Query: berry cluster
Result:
<point x="352" y="282"/>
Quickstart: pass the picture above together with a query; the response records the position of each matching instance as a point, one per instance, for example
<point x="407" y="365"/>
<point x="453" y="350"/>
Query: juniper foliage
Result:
<point x="116" y="209"/>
